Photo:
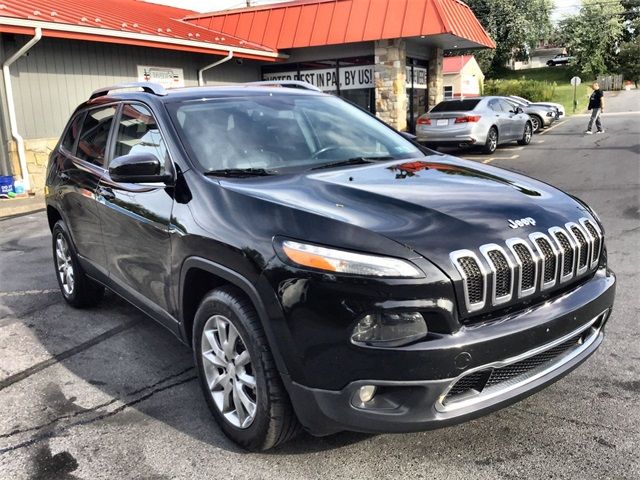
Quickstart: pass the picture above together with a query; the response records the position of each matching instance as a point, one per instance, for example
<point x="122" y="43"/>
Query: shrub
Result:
<point x="533" y="90"/>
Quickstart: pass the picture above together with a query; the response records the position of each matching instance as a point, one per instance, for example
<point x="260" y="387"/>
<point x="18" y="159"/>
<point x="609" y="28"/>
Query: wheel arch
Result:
<point x="202" y="276"/>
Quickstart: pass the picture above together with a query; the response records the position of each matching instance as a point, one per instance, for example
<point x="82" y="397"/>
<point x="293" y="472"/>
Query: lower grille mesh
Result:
<point x="478" y="381"/>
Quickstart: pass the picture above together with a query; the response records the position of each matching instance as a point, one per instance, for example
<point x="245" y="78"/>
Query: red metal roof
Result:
<point x="305" y="23"/>
<point x="141" y="23"/>
<point x="455" y="64"/>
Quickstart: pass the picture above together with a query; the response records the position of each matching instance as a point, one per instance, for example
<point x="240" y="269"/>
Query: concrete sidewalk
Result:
<point x="10" y="207"/>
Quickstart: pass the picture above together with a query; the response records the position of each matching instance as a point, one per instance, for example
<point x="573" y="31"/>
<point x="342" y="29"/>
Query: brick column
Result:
<point x="390" y="81"/>
<point x="436" y="79"/>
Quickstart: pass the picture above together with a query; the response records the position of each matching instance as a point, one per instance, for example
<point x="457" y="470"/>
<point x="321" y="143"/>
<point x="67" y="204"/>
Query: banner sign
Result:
<point x="419" y="78"/>
<point x="351" y="78"/>
<point x="165" y="76"/>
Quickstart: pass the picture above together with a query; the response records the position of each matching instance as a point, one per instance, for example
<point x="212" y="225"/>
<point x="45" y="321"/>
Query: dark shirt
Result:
<point x="595" y="100"/>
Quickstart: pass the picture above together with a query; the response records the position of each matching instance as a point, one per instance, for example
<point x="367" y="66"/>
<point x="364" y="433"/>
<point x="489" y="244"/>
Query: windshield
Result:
<point x="275" y="132"/>
<point x="456" y="105"/>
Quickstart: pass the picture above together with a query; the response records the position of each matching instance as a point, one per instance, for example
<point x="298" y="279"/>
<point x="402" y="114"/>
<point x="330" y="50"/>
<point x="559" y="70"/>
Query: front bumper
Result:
<point x="426" y="403"/>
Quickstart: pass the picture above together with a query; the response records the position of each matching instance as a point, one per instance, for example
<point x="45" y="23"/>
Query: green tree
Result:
<point x="592" y="36"/>
<point x="516" y="26"/>
<point x="629" y="60"/>
<point x="631" y="19"/>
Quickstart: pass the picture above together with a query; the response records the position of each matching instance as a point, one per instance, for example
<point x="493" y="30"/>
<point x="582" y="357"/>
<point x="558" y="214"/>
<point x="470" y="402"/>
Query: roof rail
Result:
<point x="286" y="84"/>
<point x="148" y="87"/>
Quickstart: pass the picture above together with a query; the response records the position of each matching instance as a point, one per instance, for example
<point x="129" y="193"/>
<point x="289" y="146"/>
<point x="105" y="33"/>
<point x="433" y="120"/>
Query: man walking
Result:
<point x="596" y="105"/>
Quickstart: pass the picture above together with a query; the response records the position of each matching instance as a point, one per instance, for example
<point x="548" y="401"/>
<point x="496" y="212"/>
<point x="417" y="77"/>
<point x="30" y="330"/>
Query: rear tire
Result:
<point x="76" y="287"/>
<point x="237" y="373"/>
<point x="526" y="136"/>
<point x="491" y="144"/>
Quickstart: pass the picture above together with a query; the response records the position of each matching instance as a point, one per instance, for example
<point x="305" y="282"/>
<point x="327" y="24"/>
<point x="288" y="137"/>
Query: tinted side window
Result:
<point x="139" y="133"/>
<point x="507" y="107"/>
<point x="495" y="105"/>
<point x="71" y="135"/>
<point x="94" y="136"/>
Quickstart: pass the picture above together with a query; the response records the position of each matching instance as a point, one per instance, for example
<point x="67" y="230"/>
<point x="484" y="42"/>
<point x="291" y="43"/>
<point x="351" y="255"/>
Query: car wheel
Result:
<point x="77" y="289"/>
<point x="237" y="372"/>
<point x="536" y="123"/>
<point x="491" y="143"/>
<point x="526" y="136"/>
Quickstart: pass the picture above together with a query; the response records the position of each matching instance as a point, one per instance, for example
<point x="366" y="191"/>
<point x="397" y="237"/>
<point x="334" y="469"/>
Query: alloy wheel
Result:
<point x="536" y="124"/>
<point x="493" y="140"/>
<point x="229" y="371"/>
<point x="527" y="133"/>
<point x="64" y="265"/>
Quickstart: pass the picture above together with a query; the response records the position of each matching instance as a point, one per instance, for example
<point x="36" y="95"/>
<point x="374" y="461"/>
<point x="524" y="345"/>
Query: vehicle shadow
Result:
<point x="149" y="371"/>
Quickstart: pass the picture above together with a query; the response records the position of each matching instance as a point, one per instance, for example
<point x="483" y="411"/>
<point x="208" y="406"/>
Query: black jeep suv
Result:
<point x="328" y="272"/>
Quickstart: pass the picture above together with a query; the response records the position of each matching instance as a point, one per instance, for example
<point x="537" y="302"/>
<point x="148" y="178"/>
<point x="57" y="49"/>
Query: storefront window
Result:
<point x="417" y="82"/>
<point x="350" y="78"/>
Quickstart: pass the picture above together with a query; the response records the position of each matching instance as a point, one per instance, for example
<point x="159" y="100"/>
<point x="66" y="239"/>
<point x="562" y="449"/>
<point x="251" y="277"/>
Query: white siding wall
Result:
<point x="57" y="75"/>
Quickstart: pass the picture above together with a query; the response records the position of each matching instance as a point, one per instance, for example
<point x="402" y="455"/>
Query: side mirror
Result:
<point x="137" y="168"/>
<point x="519" y="110"/>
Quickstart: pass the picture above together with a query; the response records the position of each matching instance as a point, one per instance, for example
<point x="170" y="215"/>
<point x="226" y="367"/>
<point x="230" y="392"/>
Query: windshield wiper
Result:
<point x="238" y="172"/>
<point x="352" y="161"/>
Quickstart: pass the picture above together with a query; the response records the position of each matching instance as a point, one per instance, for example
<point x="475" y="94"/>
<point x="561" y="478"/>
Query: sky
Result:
<point x="562" y="7"/>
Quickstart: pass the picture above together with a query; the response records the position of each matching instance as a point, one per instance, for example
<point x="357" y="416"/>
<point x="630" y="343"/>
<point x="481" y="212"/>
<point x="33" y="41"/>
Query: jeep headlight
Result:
<point x="342" y="261"/>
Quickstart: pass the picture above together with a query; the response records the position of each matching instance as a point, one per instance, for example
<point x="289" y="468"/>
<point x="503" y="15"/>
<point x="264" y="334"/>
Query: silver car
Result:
<point x="541" y="116"/>
<point x="482" y="121"/>
<point x="558" y="106"/>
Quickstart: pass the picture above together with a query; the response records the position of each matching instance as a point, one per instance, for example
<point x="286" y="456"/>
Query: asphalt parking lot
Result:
<point x="107" y="393"/>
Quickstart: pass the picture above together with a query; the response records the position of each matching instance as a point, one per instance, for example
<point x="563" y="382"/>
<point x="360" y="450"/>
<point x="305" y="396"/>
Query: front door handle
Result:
<point x="106" y="193"/>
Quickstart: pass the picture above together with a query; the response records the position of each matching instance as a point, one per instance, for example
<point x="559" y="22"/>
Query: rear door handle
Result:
<point x="106" y="193"/>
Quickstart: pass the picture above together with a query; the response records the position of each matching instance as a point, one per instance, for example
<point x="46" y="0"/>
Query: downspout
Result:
<point x="215" y="64"/>
<point x="11" y="108"/>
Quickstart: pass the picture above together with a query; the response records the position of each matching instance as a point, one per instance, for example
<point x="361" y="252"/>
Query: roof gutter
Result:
<point x="214" y="64"/>
<point x="11" y="108"/>
<point x="102" y="32"/>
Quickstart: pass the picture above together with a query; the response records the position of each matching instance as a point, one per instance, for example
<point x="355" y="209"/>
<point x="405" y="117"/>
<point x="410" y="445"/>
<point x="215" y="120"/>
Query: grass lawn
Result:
<point x="561" y="76"/>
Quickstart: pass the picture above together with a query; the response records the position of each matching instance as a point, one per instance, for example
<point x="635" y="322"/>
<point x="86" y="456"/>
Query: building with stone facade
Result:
<point x="384" y="55"/>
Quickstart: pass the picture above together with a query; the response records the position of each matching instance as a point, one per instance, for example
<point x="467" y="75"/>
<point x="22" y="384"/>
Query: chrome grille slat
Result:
<point x="568" y="251"/>
<point x="583" y="246"/>
<point x="596" y="240"/>
<point x="474" y="276"/>
<point x="528" y="265"/>
<point x="502" y="272"/>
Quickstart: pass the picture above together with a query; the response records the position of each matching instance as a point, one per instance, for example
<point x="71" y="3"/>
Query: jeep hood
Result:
<point x="433" y="205"/>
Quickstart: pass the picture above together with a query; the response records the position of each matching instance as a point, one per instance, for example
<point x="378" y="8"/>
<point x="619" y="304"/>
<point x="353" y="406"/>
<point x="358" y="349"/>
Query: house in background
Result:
<point x="537" y="59"/>
<point x="462" y="77"/>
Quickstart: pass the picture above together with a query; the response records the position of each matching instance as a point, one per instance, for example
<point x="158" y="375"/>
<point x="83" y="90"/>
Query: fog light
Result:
<point x="366" y="393"/>
<point x="389" y="329"/>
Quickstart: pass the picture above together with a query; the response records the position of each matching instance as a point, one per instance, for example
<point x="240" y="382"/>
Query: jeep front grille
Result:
<point x="527" y="265"/>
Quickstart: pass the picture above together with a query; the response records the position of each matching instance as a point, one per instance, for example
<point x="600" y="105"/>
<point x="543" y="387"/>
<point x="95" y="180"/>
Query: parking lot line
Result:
<point x="553" y="126"/>
<point x="491" y="159"/>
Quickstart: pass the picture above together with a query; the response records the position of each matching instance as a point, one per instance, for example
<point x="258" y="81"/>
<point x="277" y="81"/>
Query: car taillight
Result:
<point x="468" y="119"/>
<point x="424" y="121"/>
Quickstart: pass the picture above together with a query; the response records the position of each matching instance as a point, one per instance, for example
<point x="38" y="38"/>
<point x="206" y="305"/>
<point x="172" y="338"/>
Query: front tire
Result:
<point x="536" y="123"/>
<point x="76" y="287"/>
<point x="237" y="372"/>
<point x="526" y="136"/>
<point x="491" y="144"/>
